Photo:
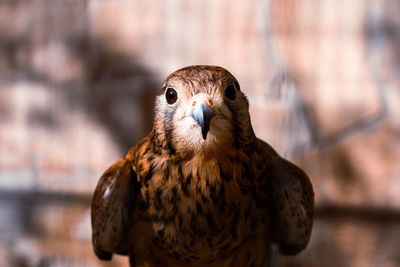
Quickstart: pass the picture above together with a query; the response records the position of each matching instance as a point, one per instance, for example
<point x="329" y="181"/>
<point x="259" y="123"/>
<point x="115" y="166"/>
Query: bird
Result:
<point x="201" y="189"/>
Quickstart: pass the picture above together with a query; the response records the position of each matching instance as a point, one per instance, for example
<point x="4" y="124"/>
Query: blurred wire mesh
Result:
<point x="78" y="79"/>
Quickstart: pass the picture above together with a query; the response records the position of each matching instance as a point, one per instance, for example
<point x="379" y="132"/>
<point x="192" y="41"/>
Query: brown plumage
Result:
<point x="201" y="189"/>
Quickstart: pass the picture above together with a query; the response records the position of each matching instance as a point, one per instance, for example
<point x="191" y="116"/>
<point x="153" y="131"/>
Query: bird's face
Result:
<point x="201" y="108"/>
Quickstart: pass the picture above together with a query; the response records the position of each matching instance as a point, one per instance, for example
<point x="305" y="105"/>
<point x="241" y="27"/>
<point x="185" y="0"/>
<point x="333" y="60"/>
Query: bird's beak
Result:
<point x="202" y="114"/>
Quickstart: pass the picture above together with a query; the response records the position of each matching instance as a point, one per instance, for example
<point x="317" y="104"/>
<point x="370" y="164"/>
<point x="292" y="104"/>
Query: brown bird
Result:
<point x="201" y="189"/>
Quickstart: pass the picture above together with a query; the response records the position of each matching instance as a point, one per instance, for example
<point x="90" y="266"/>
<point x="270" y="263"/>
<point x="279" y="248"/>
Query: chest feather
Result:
<point x="195" y="205"/>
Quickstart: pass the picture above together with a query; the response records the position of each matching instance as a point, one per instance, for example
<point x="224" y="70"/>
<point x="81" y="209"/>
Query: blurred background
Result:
<point x="77" y="82"/>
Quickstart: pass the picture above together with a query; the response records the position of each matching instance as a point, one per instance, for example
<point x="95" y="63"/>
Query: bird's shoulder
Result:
<point x="265" y="149"/>
<point x="139" y="150"/>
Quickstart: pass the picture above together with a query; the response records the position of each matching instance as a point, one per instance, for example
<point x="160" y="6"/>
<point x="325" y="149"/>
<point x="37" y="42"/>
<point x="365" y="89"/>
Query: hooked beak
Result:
<point x="203" y="114"/>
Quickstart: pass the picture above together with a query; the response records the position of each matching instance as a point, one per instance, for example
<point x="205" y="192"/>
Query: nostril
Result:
<point x="210" y="102"/>
<point x="194" y="103"/>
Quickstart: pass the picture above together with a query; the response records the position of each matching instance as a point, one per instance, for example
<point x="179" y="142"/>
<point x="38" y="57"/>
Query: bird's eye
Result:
<point x="230" y="92"/>
<point x="171" y="95"/>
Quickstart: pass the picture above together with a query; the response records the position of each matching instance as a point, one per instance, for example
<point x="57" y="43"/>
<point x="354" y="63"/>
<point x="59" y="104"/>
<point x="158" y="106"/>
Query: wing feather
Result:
<point x="292" y="206"/>
<point x="112" y="208"/>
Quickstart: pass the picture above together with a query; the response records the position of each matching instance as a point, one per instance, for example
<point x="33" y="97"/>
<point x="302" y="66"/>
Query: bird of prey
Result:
<point x="201" y="189"/>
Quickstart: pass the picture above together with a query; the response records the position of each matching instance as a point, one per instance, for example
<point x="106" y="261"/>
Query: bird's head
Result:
<point x="202" y="109"/>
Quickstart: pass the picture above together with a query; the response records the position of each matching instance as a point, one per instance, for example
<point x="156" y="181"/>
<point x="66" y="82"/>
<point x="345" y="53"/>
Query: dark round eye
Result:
<point x="230" y="92"/>
<point x="171" y="95"/>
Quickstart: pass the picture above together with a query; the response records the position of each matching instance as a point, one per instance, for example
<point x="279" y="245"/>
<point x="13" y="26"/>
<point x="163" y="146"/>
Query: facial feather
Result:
<point x="175" y="125"/>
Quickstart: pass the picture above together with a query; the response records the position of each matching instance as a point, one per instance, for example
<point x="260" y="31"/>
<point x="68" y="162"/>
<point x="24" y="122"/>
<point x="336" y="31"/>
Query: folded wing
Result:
<point x="292" y="206"/>
<point x="112" y="209"/>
